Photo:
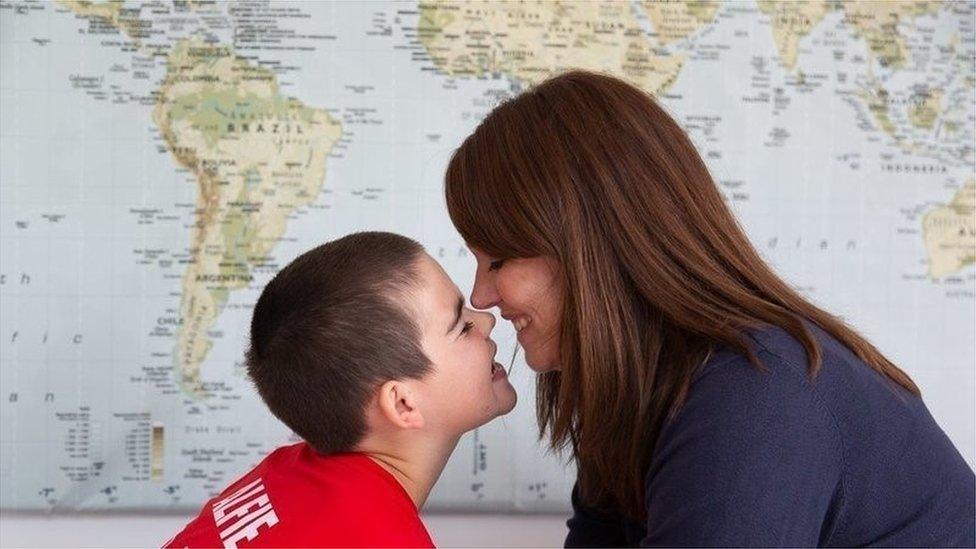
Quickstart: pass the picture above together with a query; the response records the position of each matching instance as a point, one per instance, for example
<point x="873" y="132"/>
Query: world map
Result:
<point x="160" y="161"/>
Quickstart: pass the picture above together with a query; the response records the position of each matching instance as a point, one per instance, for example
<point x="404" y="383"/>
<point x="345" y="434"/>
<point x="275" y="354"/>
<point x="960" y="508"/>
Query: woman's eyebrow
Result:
<point x="457" y="314"/>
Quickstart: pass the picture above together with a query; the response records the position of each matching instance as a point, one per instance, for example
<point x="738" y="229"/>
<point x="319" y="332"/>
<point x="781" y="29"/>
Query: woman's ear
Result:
<point x="398" y="405"/>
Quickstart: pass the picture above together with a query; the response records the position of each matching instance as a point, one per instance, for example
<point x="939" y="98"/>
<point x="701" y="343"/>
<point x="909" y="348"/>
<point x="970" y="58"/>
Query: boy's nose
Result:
<point x="487" y="321"/>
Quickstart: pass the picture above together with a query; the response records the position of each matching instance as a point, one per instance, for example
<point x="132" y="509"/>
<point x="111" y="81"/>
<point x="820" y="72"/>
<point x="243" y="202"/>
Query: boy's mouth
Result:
<point x="497" y="371"/>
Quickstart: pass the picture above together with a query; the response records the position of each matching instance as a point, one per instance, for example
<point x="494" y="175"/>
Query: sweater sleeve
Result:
<point x="753" y="458"/>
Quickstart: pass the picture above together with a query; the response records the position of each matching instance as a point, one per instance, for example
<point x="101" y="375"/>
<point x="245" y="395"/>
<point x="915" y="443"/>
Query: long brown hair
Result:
<point x="656" y="272"/>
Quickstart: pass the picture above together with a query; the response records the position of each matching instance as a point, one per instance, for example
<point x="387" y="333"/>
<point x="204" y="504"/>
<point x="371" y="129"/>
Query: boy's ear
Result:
<point x="398" y="405"/>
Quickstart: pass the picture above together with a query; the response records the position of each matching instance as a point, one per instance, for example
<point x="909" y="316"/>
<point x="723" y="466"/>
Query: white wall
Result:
<point x="143" y="530"/>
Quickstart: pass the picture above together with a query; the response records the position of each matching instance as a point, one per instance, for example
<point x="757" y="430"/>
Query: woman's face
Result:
<point x="528" y="294"/>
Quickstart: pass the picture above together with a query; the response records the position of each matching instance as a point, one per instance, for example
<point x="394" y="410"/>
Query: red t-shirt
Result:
<point x="297" y="497"/>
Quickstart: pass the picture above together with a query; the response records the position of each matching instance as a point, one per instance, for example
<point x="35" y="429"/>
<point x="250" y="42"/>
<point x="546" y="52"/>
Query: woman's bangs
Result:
<point x="475" y="203"/>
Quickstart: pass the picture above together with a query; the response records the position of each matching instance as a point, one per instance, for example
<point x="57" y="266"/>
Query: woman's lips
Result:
<point x="521" y="322"/>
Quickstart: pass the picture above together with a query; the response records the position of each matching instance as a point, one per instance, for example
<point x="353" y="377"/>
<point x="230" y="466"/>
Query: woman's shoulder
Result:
<point x="727" y="464"/>
<point x="865" y="417"/>
<point x="845" y="401"/>
<point x="848" y="439"/>
<point x="783" y="367"/>
<point x="736" y="406"/>
<point x="840" y="377"/>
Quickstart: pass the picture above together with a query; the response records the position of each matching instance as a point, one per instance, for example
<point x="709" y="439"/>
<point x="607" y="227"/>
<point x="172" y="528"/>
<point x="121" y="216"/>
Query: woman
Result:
<point x="705" y="402"/>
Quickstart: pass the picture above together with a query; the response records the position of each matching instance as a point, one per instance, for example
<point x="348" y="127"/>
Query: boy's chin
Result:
<point x="503" y="401"/>
<point x="507" y="398"/>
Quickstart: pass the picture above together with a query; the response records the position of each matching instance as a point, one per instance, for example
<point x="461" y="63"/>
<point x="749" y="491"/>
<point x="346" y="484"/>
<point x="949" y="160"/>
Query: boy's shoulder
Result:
<point x="296" y="496"/>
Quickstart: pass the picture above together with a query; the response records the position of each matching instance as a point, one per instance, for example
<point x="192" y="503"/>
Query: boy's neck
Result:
<point x="416" y="466"/>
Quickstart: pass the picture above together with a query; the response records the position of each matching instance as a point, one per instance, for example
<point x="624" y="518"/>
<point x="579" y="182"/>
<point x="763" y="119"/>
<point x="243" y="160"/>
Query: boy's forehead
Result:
<point x="436" y="291"/>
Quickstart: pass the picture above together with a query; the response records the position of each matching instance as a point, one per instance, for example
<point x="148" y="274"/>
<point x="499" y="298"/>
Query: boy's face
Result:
<point x="466" y="387"/>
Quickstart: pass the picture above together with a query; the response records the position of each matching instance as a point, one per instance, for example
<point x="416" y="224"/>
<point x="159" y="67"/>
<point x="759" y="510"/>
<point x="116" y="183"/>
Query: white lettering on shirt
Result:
<point x="240" y="515"/>
<point x="250" y="530"/>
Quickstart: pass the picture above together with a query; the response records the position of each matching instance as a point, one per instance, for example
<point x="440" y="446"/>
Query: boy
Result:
<point x="363" y="347"/>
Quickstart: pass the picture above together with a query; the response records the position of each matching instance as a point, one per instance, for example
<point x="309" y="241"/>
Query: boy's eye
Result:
<point x="467" y="327"/>
<point x="496" y="264"/>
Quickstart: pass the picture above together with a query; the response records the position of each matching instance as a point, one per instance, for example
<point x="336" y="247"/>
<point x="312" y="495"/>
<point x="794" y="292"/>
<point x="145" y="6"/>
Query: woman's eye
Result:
<point x="467" y="327"/>
<point x="496" y="264"/>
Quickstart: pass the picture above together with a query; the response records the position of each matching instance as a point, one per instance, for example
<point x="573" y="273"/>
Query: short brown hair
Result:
<point x="329" y="328"/>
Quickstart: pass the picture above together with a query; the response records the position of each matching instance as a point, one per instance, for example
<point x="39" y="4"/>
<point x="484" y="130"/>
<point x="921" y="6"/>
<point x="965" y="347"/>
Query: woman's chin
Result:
<point x="541" y="365"/>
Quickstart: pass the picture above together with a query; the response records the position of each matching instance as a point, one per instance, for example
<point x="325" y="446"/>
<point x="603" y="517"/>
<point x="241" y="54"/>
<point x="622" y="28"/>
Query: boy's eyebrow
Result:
<point x="457" y="314"/>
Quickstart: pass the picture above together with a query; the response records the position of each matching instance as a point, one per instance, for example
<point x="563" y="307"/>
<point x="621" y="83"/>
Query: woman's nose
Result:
<point x="483" y="295"/>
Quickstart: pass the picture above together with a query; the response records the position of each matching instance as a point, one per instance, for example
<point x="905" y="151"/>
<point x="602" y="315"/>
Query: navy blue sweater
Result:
<point x="770" y="459"/>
